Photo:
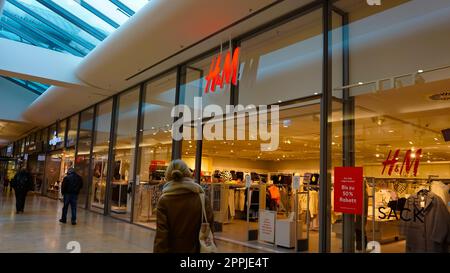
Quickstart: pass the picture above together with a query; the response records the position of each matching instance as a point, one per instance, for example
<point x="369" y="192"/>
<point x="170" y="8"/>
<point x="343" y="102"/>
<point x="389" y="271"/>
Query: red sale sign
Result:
<point x="348" y="190"/>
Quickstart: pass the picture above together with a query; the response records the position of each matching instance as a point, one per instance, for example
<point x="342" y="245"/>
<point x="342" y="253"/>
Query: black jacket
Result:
<point x="72" y="184"/>
<point x="22" y="181"/>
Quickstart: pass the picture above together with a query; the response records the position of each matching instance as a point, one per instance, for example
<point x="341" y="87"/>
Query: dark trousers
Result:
<point x="70" y="199"/>
<point x="20" y="200"/>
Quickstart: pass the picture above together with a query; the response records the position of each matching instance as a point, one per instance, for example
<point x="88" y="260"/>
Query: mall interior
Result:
<point x="92" y="85"/>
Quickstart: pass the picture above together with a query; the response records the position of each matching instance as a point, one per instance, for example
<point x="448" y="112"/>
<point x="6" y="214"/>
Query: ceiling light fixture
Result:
<point x="411" y="142"/>
<point x="420" y="71"/>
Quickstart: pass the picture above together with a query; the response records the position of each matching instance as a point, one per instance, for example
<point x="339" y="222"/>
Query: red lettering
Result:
<point x="407" y="162"/>
<point x="390" y="162"/>
<point x="229" y="73"/>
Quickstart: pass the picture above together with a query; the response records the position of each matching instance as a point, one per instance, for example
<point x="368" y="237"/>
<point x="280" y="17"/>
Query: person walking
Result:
<point x="22" y="183"/>
<point x="179" y="212"/>
<point x="70" y="188"/>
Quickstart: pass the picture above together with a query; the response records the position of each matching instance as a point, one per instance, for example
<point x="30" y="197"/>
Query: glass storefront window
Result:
<point x="52" y="137"/>
<point x="124" y="154"/>
<point x="399" y="72"/>
<point x="155" y="148"/>
<point x="100" y="155"/>
<point x="284" y="63"/>
<point x="83" y="160"/>
<point x="62" y="126"/>
<point x="72" y="131"/>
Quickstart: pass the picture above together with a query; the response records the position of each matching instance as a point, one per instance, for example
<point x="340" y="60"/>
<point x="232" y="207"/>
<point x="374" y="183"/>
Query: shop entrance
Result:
<point x="36" y="165"/>
<point x="56" y="167"/>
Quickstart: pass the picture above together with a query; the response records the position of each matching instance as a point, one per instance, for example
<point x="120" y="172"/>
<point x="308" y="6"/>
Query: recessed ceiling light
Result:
<point x="259" y="157"/>
<point x="411" y="142"/>
<point x="279" y="101"/>
<point x="420" y="71"/>
<point x="377" y="155"/>
<point x="360" y="83"/>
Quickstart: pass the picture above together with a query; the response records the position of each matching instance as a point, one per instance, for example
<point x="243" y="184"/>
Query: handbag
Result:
<point x="205" y="236"/>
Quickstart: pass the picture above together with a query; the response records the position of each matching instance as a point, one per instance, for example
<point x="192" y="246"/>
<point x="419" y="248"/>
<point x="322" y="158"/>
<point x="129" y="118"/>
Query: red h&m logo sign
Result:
<point x="229" y="74"/>
<point x="407" y="164"/>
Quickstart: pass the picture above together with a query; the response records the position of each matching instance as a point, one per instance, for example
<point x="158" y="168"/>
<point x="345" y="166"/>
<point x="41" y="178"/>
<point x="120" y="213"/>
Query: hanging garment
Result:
<point x="441" y="190"/>
<point x="242" y="200"/>
<point x="275" y="194"/>
<point x="231" y="202"/>
<point x="426" y="224"/>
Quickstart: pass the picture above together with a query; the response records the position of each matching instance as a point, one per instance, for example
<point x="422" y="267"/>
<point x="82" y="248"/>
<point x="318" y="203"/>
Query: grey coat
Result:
<point x="426" y="228"/>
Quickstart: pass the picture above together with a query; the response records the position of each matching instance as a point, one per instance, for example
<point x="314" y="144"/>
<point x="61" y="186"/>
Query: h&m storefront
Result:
<point x="372" y="93"/>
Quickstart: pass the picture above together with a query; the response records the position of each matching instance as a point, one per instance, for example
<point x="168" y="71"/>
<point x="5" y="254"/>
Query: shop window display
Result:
<point x="124" y="154"/>
<point x="62" y="126"/>
<point x="155" y="147"/>
<point x="72" y="131"/>
<point x="57" y="164"/>
<point x="83" y="159"/>
<point x="400" y="113"/>
<point x="99" y="161"/>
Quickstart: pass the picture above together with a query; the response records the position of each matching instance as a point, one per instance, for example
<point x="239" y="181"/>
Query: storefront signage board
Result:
<point x="55" y="140"/>
<point x="348" y="190"/>
<point x="267" y="220"/>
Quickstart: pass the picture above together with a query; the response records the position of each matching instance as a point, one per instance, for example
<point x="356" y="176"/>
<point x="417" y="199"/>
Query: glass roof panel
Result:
<point x="70" y="26"/>
<point x="108" y="8"/>
<point x="76" y="9"/>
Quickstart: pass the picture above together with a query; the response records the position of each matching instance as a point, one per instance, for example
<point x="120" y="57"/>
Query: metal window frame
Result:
<point x="27" y="87"/>
<point x="32" y="29"/>
<point x="325" y="132"/>
<point x="99" y="14"/>
<point x="61" y="31"/>
<point x="28" y="37"/>
<point x="124" y="8"/>
<point x="73" y="19"/>
<point x="133" y="178"/>
<point x="111" y="155"/>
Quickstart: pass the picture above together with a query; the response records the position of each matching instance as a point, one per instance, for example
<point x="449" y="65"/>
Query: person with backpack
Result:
<point x="184" y="219"/>
<point x="70" y="189"/>
<point x="22" y="183"/>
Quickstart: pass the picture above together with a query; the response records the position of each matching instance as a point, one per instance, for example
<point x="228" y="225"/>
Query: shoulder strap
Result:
<point x="202" y="200"/>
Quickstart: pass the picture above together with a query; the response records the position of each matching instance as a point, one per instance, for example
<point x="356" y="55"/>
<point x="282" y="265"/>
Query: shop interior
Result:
<point x="56" y="166"/>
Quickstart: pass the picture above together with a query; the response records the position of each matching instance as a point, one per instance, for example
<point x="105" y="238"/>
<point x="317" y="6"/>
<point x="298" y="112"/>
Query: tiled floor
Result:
<point x="38" y="230"/>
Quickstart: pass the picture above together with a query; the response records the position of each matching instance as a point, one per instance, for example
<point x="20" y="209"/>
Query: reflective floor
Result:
<point x="38" y="231"/>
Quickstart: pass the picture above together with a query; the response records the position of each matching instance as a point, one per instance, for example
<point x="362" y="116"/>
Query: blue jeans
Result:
<point x="70" y="199"/>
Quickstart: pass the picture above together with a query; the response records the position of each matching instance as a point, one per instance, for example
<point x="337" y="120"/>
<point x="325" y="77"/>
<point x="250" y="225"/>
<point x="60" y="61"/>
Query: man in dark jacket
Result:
<point x="70" y="189"/>
<point x="21" y="183"/>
